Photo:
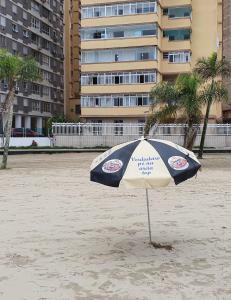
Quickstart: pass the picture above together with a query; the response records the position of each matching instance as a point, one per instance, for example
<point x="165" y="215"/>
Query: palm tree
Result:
<point x="210" y="70"/>
<point x="13" y="70"/>
<point x="181" y="99"/>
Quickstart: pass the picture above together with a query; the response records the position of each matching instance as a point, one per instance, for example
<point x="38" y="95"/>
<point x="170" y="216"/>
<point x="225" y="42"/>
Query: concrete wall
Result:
<point x="221" y="141"/>
<point x="26" y="142"/>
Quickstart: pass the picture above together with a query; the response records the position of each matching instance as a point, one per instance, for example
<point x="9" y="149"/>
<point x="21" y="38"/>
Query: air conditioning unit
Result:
<point x="5" y="86"/>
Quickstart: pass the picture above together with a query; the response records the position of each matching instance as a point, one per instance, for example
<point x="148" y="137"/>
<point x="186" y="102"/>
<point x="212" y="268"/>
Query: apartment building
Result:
<point x="72" y="57"/>
<point x="35" y="28"/>
<point x="129" y="46"/>
<point x="227" y="54"/>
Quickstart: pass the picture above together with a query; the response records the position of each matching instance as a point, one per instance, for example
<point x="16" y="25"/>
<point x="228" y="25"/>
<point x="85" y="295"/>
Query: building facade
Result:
<point x="35" y="28"/>
<point x="72" y="57"/>
<point x="129" y="46"/>
<point x="227" y="54"/>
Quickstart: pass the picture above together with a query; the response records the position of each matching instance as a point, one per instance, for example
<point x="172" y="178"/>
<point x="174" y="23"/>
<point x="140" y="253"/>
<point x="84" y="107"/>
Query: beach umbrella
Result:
<point x="144" y="163"/>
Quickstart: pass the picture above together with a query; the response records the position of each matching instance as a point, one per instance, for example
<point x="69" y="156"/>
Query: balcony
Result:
<point x="177" y="3"/>
<point x="98" y="112"/>
<point x="117" y="89"/>
<point x="173" y="23"/>
<point x="121" y="20"/>
<point x="177" y="45"/>
<point x="175" y="68"/>
<point x="119" y="43"/>
<point x="120" y="66"/>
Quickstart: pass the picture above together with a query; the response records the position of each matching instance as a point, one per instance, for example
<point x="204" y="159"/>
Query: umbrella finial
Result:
<point x="143" y="138"/>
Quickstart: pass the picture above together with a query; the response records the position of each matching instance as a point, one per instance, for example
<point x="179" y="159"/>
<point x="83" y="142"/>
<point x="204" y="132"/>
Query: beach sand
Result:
<point x="65" y="238"/>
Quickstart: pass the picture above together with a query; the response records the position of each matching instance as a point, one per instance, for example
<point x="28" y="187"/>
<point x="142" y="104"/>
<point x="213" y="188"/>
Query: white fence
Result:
<point x="83" y="135"/>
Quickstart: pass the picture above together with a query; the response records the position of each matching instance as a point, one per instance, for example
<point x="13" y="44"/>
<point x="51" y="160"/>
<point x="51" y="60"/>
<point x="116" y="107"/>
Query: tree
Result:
<point x="179" y="100"/>
<point x="212" y="69"/>
<point x="13" y="70"/>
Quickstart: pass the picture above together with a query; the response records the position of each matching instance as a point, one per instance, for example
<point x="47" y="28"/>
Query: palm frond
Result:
<point x="217" y="92"/>
<point x="163" y="93"/>
<point x="165" y="113"/>
<point x="211" y="67"/>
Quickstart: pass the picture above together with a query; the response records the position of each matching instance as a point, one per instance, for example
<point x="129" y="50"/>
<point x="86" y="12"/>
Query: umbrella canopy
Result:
<point x="144" y="163"/>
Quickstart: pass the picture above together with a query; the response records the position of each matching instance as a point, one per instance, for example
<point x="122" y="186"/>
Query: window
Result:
<point x="45" y="12"/>
<point x="144" y="55"/>
<point x="177" y="35"/>
<point x="119" y="32"/>
<point x="34" y="38"/>
<point x="35" y="89"/>
<point x="78" y="109"/>
<point x="141" y="124"/>
<point x="165" y="55"/>
<point x="45" y="29"/>
<point x="179" y="57"/>
<point x="34" y="6"/>
<point x="25" y="50"/>
<point x="118" y="78"/>
<point x="35" y="106"/>
<point x="3" y="21"/>
<point x="45" y="44"/>
<point x="47" y="107"/>
<point x="25" y="86"/>
<point x="94" y="80"/>
<point x="130" y="100"/>
<point x="25" y="102"/>
<point x="179" y="12"/>
<point x="14" y="9"/>
<point x="25" y="33"/>
<point x="119" y="55"/>
<point x="3" y="3"/>
<point x="45" y="60"/>
<point x="35" y="23"/>
<point x="24" y="15"/>
<point x="118" y="129"/>
<point x="46" y="91"/>
<point x="97" y="127"/>
<point x="140" y="101"/>
<point x="119" y="9"/>
<point x="165" y="11"/>
<point x="46" y="75"/>
<point x="14" y="47"/>
<point x="14" y="27"/>
<point x="2" y="41"/>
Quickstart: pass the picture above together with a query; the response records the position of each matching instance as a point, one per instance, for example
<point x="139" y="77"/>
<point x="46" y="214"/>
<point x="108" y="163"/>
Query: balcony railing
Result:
<point x="122" y="9"/>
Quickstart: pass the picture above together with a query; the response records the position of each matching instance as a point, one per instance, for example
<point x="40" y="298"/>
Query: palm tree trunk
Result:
<point x="206" y="119"/>
<point x="191" y="138"/>
<point x="186" y="131"/>
<point x="7" y="129"/>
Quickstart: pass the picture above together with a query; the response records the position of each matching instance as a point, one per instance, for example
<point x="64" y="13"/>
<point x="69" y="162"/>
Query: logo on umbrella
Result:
<point x="178" y="163"/>
<point x="112" y="166"/>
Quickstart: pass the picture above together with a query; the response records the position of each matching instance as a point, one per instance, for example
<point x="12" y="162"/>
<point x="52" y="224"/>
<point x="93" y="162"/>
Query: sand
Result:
<point x="65" y="238"/>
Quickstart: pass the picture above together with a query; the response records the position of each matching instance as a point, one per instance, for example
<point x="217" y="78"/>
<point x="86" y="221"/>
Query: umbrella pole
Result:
<point x="149" y="223"/>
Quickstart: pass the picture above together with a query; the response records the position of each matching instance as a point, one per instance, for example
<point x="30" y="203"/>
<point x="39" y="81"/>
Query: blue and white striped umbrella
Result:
<point x="144" y="163"/>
